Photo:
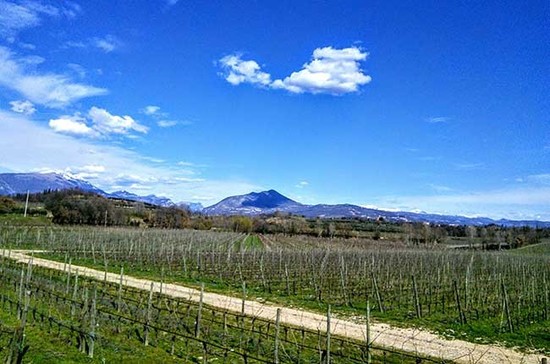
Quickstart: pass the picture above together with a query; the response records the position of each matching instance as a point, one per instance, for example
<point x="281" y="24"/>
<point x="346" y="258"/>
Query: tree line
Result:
<point x="76" y="207"/>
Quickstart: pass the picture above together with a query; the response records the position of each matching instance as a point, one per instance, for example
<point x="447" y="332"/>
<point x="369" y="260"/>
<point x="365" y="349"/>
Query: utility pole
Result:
<point x="26" y="204"/>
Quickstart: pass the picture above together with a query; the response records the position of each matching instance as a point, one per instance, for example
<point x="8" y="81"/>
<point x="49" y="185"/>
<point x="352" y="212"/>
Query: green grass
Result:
<point x="252" y="242"/>
<point x="45" y="347"/>
<point x="542" y="248"/>
<point x="20" y="220"/>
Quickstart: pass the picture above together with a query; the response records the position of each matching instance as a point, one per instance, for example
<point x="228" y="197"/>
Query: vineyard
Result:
<point x="481" y="297"/>
<point x="106" y="320"/>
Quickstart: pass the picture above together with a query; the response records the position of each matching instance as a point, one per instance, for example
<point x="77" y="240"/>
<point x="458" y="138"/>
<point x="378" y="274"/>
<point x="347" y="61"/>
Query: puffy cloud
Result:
<point x="87" y="172"/>
<point x="97" y="123"/>
<point x="23" y="107"/>
<point x="107" y="123"/>
<point x="331" y="71"/>
<point x="71" y="125"/>
<point x="237" y="71"/>
<point x="52" y="90"/>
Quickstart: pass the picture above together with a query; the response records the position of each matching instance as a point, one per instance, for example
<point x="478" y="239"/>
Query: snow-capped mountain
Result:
<point x="150" y="199"/>
<point x="13" y="183"/>
<point x="191" y="206"/>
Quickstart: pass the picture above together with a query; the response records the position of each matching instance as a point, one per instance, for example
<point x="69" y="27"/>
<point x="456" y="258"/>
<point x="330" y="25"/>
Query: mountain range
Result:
<point x="252" y="204"/>
<point x="269" y="202"/>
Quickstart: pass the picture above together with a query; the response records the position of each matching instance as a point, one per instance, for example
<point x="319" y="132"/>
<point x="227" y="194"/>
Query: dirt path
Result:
<point x="409" y="340"/>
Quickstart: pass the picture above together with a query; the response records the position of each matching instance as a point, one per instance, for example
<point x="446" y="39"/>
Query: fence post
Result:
<point x="75" y="290"/>
<point x="277" y="328"/>
<point x="368" y="334"/>
<point x="244" y="298"/>
<point x="92" y="324"/>
<point x="148" y="318"/>
<point x="199" y="313"/>
<point x="328" y="335"/>
<point x="68" y="276"/>
<point x="21" y="290"/>
<point x="416" y="299"/>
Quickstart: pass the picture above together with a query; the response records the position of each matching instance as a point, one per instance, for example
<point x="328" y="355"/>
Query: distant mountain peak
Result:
<point x="13" y="183"/>
<point x="252" y="204"/>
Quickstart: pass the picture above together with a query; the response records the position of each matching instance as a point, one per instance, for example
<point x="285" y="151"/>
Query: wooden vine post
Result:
<point x="199" y="313"/>
<point x="277" y="329"/>
<point x="367" y="336"/>
<point x="148" y="315"/>
<point x="328" y="336"/>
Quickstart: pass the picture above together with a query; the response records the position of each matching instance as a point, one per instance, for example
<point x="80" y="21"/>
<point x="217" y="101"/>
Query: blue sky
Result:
<point x="431" y="106"/>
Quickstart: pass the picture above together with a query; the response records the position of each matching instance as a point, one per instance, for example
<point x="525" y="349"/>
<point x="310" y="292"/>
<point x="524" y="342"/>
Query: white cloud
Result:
<point x="52" y="90"/>
<point x="331" y="71"/>
<point x="71" y="125"/>
<point x="514" y="203"/>
<point x="161" y="117"/>
<point x="27" y="146"/>
<point x="77" y="69"/>
<point x="539" y="179"/>
<point x="27" y="46"/>
<point x="107" y="123"/>
<point x="185" y="164"/>
<point x="74" y="44"/>
<point x="88" y="172"/>
<point x="469" y="166"/>
<point x="438" y="119"/>
<point x="167" y="123"/>
<point x="440" y="188"/>
<point x="17" y="16"/>
<point x="106" y="44"/>
<point x="22" y="107"/>
<point x="97" y="123"/>
<point x="302" y="184"/>
<point x="151" y="110"/>
<point x="238" y="71"/>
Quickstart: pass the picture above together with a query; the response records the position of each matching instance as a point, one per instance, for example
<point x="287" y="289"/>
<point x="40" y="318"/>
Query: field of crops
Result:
<point x="482" y="297"/>
<point x="110" y="322"/>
